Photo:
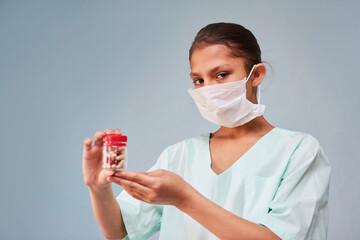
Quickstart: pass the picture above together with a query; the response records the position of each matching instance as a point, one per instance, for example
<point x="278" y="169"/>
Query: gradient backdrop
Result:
<point x="70" y="68"/>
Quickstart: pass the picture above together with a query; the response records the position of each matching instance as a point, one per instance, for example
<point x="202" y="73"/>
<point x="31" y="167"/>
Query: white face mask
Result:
<point x="226" y="103"/>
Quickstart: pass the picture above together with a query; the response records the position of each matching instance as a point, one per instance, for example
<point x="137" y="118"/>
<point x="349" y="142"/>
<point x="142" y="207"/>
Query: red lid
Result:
<point x="114" y="138"/>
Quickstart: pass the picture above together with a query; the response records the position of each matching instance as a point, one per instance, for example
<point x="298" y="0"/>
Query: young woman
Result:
<point x="247" y="180"/>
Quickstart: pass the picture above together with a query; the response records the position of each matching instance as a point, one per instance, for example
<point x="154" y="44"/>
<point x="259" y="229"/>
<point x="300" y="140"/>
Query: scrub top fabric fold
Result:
<point x="282" y="182"/>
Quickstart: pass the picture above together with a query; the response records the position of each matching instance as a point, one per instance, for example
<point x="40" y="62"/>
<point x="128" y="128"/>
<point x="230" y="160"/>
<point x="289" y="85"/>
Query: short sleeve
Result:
<point x="299" y="209"/>
<point x="142" y="219"/>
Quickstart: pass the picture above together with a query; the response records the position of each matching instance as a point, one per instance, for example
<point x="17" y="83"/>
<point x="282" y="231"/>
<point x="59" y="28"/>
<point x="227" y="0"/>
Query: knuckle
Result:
<point x="157" y="186"/>
<point x="151" y="198"/>
<point x="139" y="177"/>
<point x="134" y="195"/>
<point x="132" y="186"/>
<point x="136" y="178"/>
<point x="147" y="199"/>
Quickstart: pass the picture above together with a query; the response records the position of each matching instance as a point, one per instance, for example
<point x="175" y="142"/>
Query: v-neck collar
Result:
<point x="245" y="155"/>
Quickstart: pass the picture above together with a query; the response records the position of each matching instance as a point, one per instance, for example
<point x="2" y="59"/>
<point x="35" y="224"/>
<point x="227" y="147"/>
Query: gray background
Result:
<point x="70" y="68"/>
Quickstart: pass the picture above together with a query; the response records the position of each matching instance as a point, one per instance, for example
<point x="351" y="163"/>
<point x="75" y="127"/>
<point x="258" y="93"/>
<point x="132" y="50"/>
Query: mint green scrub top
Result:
<point x="282" y="182"/>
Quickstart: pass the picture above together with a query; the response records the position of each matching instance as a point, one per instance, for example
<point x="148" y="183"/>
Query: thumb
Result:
<point x="105" y="173"/>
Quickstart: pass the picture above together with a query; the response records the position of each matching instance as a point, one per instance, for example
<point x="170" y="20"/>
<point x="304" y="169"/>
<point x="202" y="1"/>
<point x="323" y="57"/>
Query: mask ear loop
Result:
<point x="258" y="87"/>
<point x="252" y="69"/>
<point x="258" y="96"/>
<point x="259" y="93"/>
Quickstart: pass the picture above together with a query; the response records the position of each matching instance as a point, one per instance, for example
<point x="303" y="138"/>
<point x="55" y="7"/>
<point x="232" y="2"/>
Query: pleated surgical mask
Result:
<point x="226" y="104"/>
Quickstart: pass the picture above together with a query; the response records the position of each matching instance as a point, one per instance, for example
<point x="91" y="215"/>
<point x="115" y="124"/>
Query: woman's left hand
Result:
<point x="157" y="187"/>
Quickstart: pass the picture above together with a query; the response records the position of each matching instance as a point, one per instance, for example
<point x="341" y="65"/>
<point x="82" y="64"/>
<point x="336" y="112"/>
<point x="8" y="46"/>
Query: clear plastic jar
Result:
<point x="114" y="151"/>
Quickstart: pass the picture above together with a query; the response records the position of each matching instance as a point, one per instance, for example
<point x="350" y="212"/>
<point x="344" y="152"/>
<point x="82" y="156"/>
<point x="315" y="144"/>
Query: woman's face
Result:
<point x="214" y="64"/>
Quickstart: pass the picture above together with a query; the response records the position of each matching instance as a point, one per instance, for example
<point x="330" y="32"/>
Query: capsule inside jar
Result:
<point x="114" y="151"/>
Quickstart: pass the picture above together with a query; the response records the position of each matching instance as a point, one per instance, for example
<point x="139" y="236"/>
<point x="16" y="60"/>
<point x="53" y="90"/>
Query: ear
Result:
<point x="258" y="74"/>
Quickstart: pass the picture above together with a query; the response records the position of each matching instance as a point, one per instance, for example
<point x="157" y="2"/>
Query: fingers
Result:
<point x="117" y="131"/>
<point x="110" y="131"/>
<point x="131" y="187"/>
<point x="105" y="173"/>
<point x="87" y="144"/>
<point x="139" y="196"/>
<point x="98" y="138"/>
<point x="137" y="177"/>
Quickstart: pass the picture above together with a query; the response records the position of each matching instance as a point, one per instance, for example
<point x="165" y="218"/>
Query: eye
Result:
<point x="223" y="75"/>
<point x="198" y="81"/>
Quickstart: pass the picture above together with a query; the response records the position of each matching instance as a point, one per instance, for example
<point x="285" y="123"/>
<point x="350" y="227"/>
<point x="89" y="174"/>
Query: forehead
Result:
<point x="213" y="55"/>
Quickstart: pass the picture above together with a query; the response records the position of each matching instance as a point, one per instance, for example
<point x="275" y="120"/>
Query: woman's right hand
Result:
<point x="94" y="175"/>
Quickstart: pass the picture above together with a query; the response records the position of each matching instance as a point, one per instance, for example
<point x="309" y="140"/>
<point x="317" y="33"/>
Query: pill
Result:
<point x="121" y="164"/>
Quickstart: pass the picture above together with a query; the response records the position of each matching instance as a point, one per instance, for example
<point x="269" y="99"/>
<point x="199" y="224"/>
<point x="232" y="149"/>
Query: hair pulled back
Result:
<point x="241" y="42"/>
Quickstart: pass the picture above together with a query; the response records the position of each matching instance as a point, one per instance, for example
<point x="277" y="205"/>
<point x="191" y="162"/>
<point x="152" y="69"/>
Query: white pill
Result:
<point x="121" y="164"/>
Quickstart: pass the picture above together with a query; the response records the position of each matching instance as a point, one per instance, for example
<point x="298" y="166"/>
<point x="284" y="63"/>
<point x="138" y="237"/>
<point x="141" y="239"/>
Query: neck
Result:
<point x="257" y="125"/>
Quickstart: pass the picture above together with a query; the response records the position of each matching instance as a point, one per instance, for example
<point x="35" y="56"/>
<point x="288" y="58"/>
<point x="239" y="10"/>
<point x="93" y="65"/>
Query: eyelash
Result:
<point x="196" y="80"/>
<point x="223" y="73"/>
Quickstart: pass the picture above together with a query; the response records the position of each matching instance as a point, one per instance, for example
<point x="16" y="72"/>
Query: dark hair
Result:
<point x="241" y="42"/>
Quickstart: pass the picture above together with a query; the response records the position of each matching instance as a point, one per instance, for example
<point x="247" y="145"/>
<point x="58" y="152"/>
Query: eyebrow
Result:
<point x="212" y="70"/>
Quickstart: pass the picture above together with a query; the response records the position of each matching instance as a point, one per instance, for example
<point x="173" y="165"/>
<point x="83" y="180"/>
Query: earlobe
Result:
<point x="259" y="74"/>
